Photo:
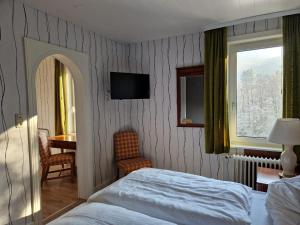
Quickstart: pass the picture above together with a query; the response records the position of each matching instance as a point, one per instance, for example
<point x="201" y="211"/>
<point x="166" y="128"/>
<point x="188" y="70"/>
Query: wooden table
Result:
<point x="266" y="176"/>
<point x="67" y="141"/>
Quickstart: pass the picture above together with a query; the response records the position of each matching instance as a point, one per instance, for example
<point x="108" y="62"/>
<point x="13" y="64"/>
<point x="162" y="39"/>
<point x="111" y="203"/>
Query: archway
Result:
<point x="35" y="52"/>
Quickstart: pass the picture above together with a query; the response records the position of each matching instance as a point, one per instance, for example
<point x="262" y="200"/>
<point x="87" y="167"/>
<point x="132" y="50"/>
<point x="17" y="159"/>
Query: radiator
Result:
<point x="245" y="168"/>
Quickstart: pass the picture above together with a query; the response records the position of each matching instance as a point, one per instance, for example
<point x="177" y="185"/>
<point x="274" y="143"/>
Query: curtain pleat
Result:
<point x="61" y="114"/>
<point x="291" y="68"/>
<point x="215" y="92"/>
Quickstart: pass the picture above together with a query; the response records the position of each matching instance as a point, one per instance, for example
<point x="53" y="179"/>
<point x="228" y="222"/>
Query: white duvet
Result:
<point x="103" y="214"/>
<point x="180" y="198"/>
<point x="283" y="201"/>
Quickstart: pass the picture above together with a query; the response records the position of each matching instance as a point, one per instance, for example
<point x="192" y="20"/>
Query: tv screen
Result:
<point x="129" y="86"/>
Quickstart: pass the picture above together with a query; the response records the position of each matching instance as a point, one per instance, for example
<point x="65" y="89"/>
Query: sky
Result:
<point x="248" y="59"/>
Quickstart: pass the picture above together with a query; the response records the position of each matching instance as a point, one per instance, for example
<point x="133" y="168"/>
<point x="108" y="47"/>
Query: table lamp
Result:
<point x="286" y="132"/>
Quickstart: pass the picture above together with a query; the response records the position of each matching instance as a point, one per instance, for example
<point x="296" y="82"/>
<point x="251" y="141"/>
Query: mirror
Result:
<point x="190" y="96"/>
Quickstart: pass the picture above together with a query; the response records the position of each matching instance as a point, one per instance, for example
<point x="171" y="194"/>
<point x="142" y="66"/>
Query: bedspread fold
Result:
<point x="180" y="198"/>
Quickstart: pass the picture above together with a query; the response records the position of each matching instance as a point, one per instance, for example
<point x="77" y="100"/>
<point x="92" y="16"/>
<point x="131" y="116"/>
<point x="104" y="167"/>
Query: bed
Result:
<point x="172" y="197"/>
<point x="103" y="214"/>
<point x="184" y="198"/>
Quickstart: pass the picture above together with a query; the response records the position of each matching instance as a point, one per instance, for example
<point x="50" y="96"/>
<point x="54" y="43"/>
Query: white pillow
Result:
<point x="283" y="201"/>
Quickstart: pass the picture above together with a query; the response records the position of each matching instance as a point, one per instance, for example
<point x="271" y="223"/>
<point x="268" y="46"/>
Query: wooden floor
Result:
<point x="58" y="194"/>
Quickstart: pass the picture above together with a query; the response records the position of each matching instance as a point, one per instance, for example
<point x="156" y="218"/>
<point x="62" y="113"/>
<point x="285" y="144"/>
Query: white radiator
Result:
<point x="245" y="168"/>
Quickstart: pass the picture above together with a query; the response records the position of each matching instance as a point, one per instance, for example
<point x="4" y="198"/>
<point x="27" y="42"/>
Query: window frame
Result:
<point x="242" y="43"/>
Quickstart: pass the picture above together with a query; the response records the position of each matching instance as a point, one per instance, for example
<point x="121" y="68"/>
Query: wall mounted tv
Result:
<point x="129" y="86"/>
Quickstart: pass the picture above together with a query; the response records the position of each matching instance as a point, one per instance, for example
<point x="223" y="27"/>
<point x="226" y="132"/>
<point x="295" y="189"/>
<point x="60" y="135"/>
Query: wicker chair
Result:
<point x="48" y="160"/>
<point x="127" y="156"/>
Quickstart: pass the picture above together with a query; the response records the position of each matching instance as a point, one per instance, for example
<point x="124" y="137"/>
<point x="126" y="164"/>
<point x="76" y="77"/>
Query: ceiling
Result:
<point x="136" y="20"/>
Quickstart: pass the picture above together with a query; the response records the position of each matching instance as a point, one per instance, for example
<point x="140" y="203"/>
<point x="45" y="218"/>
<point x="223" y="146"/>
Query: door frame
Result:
<point x="78" y="64"/>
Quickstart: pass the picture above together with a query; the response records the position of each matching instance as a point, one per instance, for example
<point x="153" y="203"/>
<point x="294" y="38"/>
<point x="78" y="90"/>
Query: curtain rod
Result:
<point x="252" y="18"/>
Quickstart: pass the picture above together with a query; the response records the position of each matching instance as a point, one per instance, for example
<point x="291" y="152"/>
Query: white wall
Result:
<point x="45" y="94"/>
<point x="108" y="116"/>
<point x="155" y="119"/>
<point x="169" y="146"/>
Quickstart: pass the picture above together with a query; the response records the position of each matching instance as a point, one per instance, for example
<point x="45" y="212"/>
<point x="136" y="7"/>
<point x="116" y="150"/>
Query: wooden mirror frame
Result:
<point x="183" y="72"/>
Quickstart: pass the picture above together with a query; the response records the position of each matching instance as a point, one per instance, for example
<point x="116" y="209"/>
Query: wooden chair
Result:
<point x="48" y="160"/>
<point x="127" y="156"/>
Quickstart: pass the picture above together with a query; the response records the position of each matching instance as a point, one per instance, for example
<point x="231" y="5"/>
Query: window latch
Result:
<point x="233" y="105"/>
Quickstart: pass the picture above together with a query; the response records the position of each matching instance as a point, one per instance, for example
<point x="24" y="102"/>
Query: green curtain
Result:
<point x="61" y="114"/>
<point x="291" y="68"/>
<point x="215" y="92"/>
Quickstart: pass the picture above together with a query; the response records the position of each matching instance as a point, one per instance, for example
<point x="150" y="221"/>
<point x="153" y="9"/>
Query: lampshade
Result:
<point x="286" y="132"/>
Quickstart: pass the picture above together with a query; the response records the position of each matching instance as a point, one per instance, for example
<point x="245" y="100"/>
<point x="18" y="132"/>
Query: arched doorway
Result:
<point x="35" y="52"/>
<point x="56" y="118"/>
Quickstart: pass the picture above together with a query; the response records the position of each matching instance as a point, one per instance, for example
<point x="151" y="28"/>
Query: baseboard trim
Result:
<point x="105" y="184"/>
<point x="62" y="211"/>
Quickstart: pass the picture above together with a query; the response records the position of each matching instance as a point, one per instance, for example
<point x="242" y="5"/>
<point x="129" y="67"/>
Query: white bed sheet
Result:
<point x="283" y="201"/>
<point x="259" y="213"/>
<point x="180" y="197"/>
<point x="103" y="214"/>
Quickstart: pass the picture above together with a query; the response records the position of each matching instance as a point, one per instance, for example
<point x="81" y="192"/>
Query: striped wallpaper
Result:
<point x="169" y="147"/>
<point x="17" y="21"/>
<point x="45" y="94"/>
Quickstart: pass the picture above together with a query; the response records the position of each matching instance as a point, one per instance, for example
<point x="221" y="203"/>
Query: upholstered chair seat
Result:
<point x="48" y="159"/>
<point x="129" y="165"/>
<point x="127" y="156"/>
<point x="62" y="158"/>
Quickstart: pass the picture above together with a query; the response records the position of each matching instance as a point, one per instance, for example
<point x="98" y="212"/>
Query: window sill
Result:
<point x="257" y="148"/>
<point x="261" y="152"/>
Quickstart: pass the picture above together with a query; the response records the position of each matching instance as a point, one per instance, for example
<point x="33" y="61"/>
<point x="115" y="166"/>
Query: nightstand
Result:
<point x="266" y="176"/>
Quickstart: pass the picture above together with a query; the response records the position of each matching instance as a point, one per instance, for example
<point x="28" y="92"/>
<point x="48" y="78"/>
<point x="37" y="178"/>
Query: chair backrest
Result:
<point x="44" y="150"/>
<point x="126" y="145"/>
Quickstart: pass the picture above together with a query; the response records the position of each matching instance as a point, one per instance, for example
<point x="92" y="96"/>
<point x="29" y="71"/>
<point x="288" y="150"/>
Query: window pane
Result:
<point x="259" y="91"/>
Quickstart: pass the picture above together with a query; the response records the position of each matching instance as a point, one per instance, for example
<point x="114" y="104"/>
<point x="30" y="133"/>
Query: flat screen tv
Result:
<point x="129" y="86"/>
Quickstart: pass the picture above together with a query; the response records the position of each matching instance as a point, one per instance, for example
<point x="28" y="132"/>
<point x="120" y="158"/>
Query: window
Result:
<point x="255" y="89"/>
<point x="70" y="102"/>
